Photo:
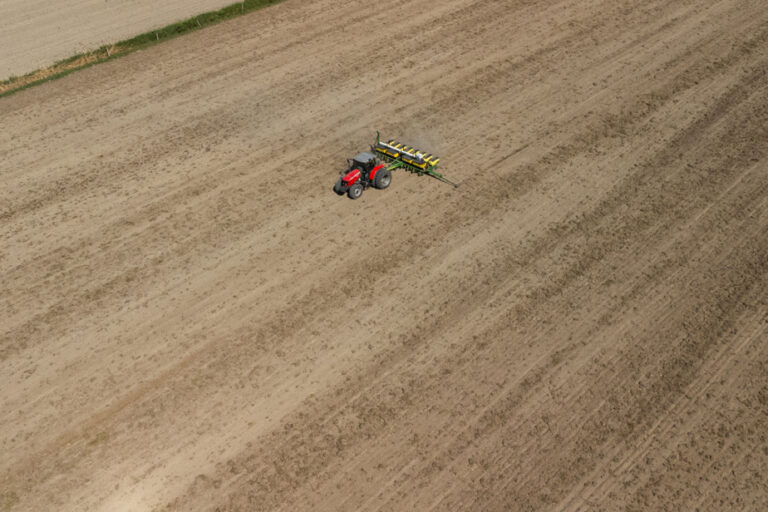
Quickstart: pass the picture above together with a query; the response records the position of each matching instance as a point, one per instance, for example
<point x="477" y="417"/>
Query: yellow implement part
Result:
<point x="407" y="154"/>
<point x="422" y="165"/>
<point x="386" y="151"/>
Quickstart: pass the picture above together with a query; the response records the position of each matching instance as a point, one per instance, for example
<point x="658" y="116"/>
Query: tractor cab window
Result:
<point x="363" y="166"/>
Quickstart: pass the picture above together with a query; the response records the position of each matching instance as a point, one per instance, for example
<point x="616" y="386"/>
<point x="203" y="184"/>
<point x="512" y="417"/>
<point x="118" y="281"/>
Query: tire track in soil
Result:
<point x="491" y="350"/>
<point x="653" y="171"/>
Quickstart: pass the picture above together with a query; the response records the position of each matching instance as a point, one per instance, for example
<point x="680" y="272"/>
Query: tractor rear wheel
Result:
<point x="383" y="179"/>
<point x="355" y="191"/>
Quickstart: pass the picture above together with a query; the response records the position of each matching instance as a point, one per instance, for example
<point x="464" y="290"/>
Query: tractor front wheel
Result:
<point x="339" y="187"/>
<point x="383" y="179"/>
<point x="355" y="191"/>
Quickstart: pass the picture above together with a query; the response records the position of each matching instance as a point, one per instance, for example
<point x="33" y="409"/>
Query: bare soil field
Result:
<point x="191" y="320"/>
<point x="36" y="33"/>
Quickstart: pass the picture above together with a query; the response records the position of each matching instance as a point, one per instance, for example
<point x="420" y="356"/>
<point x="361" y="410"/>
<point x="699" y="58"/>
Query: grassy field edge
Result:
<point x="112" y="51"/>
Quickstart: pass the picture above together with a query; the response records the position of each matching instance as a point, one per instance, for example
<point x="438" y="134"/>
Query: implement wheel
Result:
<point x="383" y="179"/>
<point x="355" y="191"/>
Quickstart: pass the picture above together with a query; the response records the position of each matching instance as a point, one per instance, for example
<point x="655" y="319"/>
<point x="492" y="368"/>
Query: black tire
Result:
<point x="339" y="187"/>
<point x="383" y="179"/>
<point x="355" y="191"/>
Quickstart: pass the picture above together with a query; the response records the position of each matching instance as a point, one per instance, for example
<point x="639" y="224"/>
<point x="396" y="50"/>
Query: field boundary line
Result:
<point x="119" y="49"/>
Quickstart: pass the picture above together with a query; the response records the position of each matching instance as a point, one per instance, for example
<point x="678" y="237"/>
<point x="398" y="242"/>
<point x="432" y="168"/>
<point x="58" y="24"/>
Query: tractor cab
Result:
<point x="364" y="161"/>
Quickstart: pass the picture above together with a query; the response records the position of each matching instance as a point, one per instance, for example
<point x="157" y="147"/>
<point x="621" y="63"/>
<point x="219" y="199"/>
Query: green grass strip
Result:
<point x="122" y="48"/>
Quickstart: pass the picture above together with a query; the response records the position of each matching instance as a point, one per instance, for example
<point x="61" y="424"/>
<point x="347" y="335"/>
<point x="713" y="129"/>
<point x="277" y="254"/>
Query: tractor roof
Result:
<point x="364" y="157"/>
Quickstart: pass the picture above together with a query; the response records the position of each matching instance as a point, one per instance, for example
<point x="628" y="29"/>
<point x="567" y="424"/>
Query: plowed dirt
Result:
<point x="190" y="319"/>
<point x="34" y="34"/>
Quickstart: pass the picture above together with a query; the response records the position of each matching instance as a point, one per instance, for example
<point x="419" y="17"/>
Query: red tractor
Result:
<point x="364" y="171"/>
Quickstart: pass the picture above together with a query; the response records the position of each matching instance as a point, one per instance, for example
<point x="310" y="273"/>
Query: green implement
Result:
<point x="400" y="155"/>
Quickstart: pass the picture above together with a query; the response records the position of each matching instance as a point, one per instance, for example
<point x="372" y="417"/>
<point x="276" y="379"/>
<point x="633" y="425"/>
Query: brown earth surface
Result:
<point x="190" y="319"/>
<point x="36" y="33"/>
